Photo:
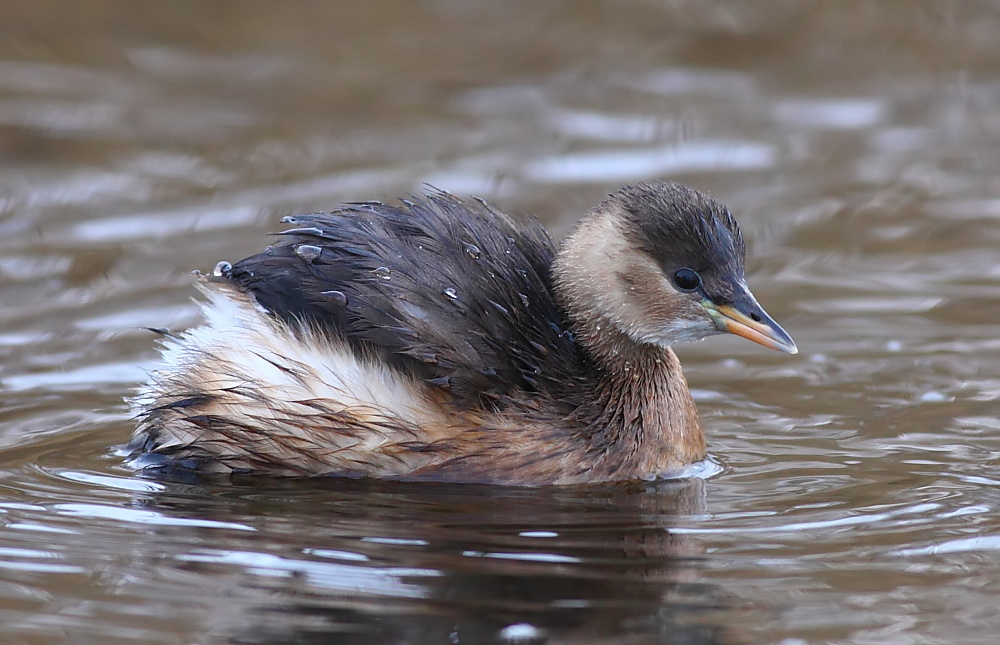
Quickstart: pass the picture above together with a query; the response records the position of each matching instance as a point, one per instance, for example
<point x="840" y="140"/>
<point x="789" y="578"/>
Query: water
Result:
<point x="859" y="481"/>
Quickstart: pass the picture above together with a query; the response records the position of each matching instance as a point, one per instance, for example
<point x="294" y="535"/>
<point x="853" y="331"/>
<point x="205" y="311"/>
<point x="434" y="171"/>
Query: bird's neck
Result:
<point x="641" y="416"/>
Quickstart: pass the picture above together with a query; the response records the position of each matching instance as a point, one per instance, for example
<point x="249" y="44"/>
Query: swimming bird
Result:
<point x="440" y="338"/>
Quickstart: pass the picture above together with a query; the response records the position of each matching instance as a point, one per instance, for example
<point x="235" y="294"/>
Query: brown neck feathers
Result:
<point x="641" y="420"/>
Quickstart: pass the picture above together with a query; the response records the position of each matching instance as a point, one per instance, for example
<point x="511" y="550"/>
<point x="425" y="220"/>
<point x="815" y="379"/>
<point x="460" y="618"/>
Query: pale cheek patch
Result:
<point x="652" y="312"/>
<point x="677" y="331"/>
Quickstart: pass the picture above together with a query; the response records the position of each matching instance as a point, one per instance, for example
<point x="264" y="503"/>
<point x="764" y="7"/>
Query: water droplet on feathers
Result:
<point x="337" y="297"/>
<point x="308" y="252"/>
<point x="473" y="251"/>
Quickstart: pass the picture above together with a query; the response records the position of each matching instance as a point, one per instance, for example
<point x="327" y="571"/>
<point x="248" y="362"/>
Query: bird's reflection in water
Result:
<point x="352" y="561"/>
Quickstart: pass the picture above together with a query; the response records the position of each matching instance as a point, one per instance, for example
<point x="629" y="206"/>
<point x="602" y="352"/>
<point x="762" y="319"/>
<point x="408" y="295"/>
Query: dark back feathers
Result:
<point x="450" y="291"/>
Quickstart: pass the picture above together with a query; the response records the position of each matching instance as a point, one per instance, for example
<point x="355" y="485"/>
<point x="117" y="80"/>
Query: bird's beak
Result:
<point x="744" y="317"/>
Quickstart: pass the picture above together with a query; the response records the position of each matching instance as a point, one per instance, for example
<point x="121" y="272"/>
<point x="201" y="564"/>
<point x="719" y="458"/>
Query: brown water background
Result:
<point x="858" y="143"/>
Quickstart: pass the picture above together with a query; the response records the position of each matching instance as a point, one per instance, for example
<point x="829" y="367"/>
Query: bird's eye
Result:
<point x="687" y="280"/>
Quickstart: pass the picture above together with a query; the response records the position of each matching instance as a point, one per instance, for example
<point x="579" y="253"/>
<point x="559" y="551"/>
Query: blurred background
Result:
<point x="857" y="142"/>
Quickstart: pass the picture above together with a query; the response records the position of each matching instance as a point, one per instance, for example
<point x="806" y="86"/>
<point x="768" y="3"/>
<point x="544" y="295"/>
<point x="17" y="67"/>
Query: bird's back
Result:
<point x="452" y="292"/>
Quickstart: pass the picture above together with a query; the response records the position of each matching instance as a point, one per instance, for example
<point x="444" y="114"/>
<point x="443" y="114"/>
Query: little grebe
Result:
<point x="442" y="339"/>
